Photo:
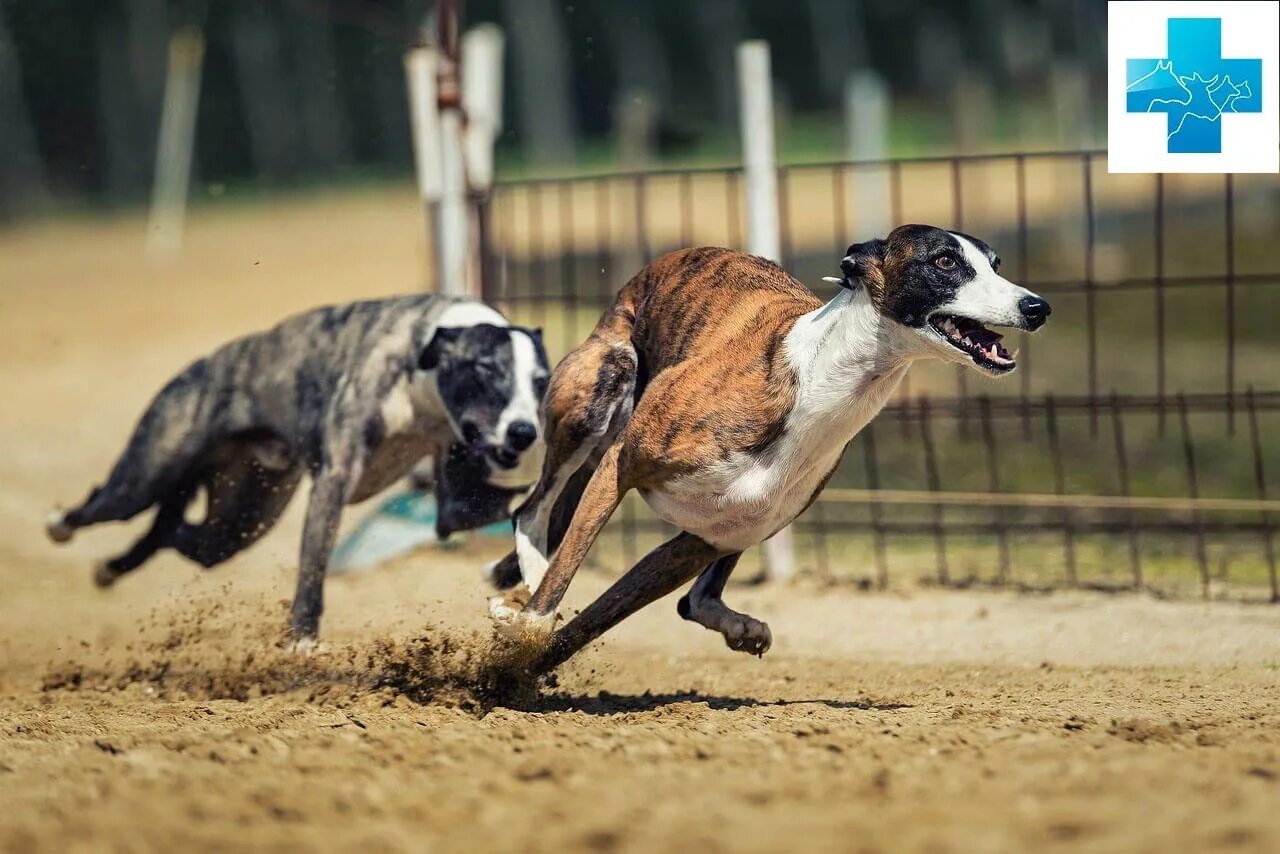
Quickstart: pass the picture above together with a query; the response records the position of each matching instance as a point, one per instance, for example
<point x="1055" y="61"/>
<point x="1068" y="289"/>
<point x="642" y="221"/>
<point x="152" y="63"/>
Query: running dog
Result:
<point x="725" y="392"/>
<point x="352" y="395"/>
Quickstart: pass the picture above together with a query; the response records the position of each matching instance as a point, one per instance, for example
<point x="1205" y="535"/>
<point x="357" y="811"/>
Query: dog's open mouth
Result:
<point x="974" y="340"/>
<point x="504" y="457"/>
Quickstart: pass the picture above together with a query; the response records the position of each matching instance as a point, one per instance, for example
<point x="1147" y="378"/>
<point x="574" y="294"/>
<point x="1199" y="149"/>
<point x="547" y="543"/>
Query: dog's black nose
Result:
<point x="1035" y="310"/>
<point x="522" y="434"/>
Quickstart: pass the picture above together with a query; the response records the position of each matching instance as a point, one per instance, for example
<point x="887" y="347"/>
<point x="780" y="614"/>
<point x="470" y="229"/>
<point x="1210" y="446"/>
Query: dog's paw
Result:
<point x="523" y="626"/>
<point x="55" y="525"/>
<point x="103" y="575"/>
<point x="747" y="634"/>
<point x="306" y="646"/>
<point x="507" y="605"/>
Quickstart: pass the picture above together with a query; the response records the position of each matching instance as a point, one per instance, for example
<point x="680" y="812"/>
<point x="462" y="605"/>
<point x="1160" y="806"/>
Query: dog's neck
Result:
<point x="848" y="359"/>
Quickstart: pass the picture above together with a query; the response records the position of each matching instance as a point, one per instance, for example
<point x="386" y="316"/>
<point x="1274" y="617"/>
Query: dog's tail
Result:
<point x="166" y="442"/>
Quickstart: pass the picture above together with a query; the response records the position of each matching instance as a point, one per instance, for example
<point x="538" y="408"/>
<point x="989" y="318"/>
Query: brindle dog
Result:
<point x="353" y="395"/>
<point x="725" y="392"/>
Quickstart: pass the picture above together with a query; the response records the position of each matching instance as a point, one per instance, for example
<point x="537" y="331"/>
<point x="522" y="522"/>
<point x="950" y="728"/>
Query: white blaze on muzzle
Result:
<point x="988" y="297"/>
<point x="523" y="405"/>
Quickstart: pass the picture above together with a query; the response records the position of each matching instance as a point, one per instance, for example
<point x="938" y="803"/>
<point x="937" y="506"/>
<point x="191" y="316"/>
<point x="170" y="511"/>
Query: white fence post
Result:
<point x="457" y="277"/>
<point x="482" y="48"/>
<point x="759" y="159"/>
<point x="176" y="142"/>
<point x="424" y="122"/>
<point x="482" y="99"/>
<point x="866" y="123"/>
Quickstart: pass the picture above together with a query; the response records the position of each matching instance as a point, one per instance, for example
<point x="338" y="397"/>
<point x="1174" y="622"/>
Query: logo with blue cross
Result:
<point x="1194" y="86"/>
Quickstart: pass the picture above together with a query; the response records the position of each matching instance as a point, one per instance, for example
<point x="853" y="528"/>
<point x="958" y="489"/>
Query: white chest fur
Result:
<point x="848" y="360"/>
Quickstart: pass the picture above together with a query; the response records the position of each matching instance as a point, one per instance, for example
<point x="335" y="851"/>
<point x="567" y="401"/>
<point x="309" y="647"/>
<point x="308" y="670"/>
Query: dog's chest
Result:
<point x="409" y="431"/>
<point x="391" y="460"/>
<point x="748" y="497"/>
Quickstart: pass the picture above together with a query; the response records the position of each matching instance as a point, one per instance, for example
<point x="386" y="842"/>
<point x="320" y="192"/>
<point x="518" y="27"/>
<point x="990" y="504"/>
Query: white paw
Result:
<point x="505" y="606"/>
<point x="523" y="625"/>
<point x="55" y="525"/>
<point x="306" y="646"/>
<point x="501" y="610"/>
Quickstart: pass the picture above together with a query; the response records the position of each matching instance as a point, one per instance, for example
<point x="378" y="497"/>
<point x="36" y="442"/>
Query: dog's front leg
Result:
<point x="330" y="489"/>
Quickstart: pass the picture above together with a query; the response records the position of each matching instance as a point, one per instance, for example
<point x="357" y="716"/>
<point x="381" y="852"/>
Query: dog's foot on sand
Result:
<point x="55" y="525"/>
<point x="747" y="634"/>
<point x="103" y="575"/>
<point x="306" y="646"/>
<point x="741" y="633"/>
<point x="517" y="622"/>
<point x="506" y="606"/>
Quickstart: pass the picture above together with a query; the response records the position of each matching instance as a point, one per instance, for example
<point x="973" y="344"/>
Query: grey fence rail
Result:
<point x="1132" y="450"/>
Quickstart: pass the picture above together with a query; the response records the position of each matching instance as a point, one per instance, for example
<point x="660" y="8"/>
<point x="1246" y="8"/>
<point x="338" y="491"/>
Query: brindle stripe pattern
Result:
<point x="688" y="315"/>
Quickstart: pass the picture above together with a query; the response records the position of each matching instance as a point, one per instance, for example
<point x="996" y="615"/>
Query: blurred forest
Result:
<point x="296" y="92"/>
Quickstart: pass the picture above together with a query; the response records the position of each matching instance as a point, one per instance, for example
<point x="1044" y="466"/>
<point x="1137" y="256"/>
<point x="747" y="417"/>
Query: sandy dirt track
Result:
<point x="161" y="714"/>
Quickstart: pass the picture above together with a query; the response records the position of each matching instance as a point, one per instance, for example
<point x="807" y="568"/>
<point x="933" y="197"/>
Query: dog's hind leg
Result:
<point x="658" y="573"/>
<point x="168" y="520"/>
<point x="245" y="500"/>
<point x="166" y="443"/>
<point x="119" y="500"/>
<point x="703" y="605"/>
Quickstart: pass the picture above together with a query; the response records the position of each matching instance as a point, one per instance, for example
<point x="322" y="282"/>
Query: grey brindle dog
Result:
<point x="353" y="395"/>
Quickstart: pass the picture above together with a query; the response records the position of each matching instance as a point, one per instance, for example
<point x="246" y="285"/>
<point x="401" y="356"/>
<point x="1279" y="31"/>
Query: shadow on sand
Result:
<point x="606" y="703"/>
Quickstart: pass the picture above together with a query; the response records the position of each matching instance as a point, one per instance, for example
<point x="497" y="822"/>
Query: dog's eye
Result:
<point x="540" y="386"/>
<point x="945" y="262"/>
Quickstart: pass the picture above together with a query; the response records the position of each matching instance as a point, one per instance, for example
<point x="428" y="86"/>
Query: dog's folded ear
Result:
<point x="429" y="358"/>
<point x="863" y="264"/>
<point x="862" y="259"/>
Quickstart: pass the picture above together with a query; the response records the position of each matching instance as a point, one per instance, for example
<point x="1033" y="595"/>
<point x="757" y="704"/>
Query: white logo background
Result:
<point x="1137" y="142"/>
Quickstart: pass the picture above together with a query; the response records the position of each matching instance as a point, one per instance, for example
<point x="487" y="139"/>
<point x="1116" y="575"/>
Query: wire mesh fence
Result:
<point x="1130" y="450"/>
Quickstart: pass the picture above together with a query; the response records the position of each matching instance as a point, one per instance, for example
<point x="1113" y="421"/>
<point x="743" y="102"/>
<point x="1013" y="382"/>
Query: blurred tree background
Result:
<point x="297" y="92"/>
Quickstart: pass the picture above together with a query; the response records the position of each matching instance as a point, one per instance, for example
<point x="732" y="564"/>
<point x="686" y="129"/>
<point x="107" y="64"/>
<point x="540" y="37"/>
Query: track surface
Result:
<point x="161" y="714"/>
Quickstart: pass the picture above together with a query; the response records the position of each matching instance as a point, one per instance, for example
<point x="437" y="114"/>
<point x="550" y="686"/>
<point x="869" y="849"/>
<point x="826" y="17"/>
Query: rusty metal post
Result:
<point x="1193" y="486"/>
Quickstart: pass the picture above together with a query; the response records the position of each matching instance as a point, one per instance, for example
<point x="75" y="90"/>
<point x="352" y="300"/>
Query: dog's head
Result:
<point x="491" y="380"/>
<point x="945" y="287"/>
